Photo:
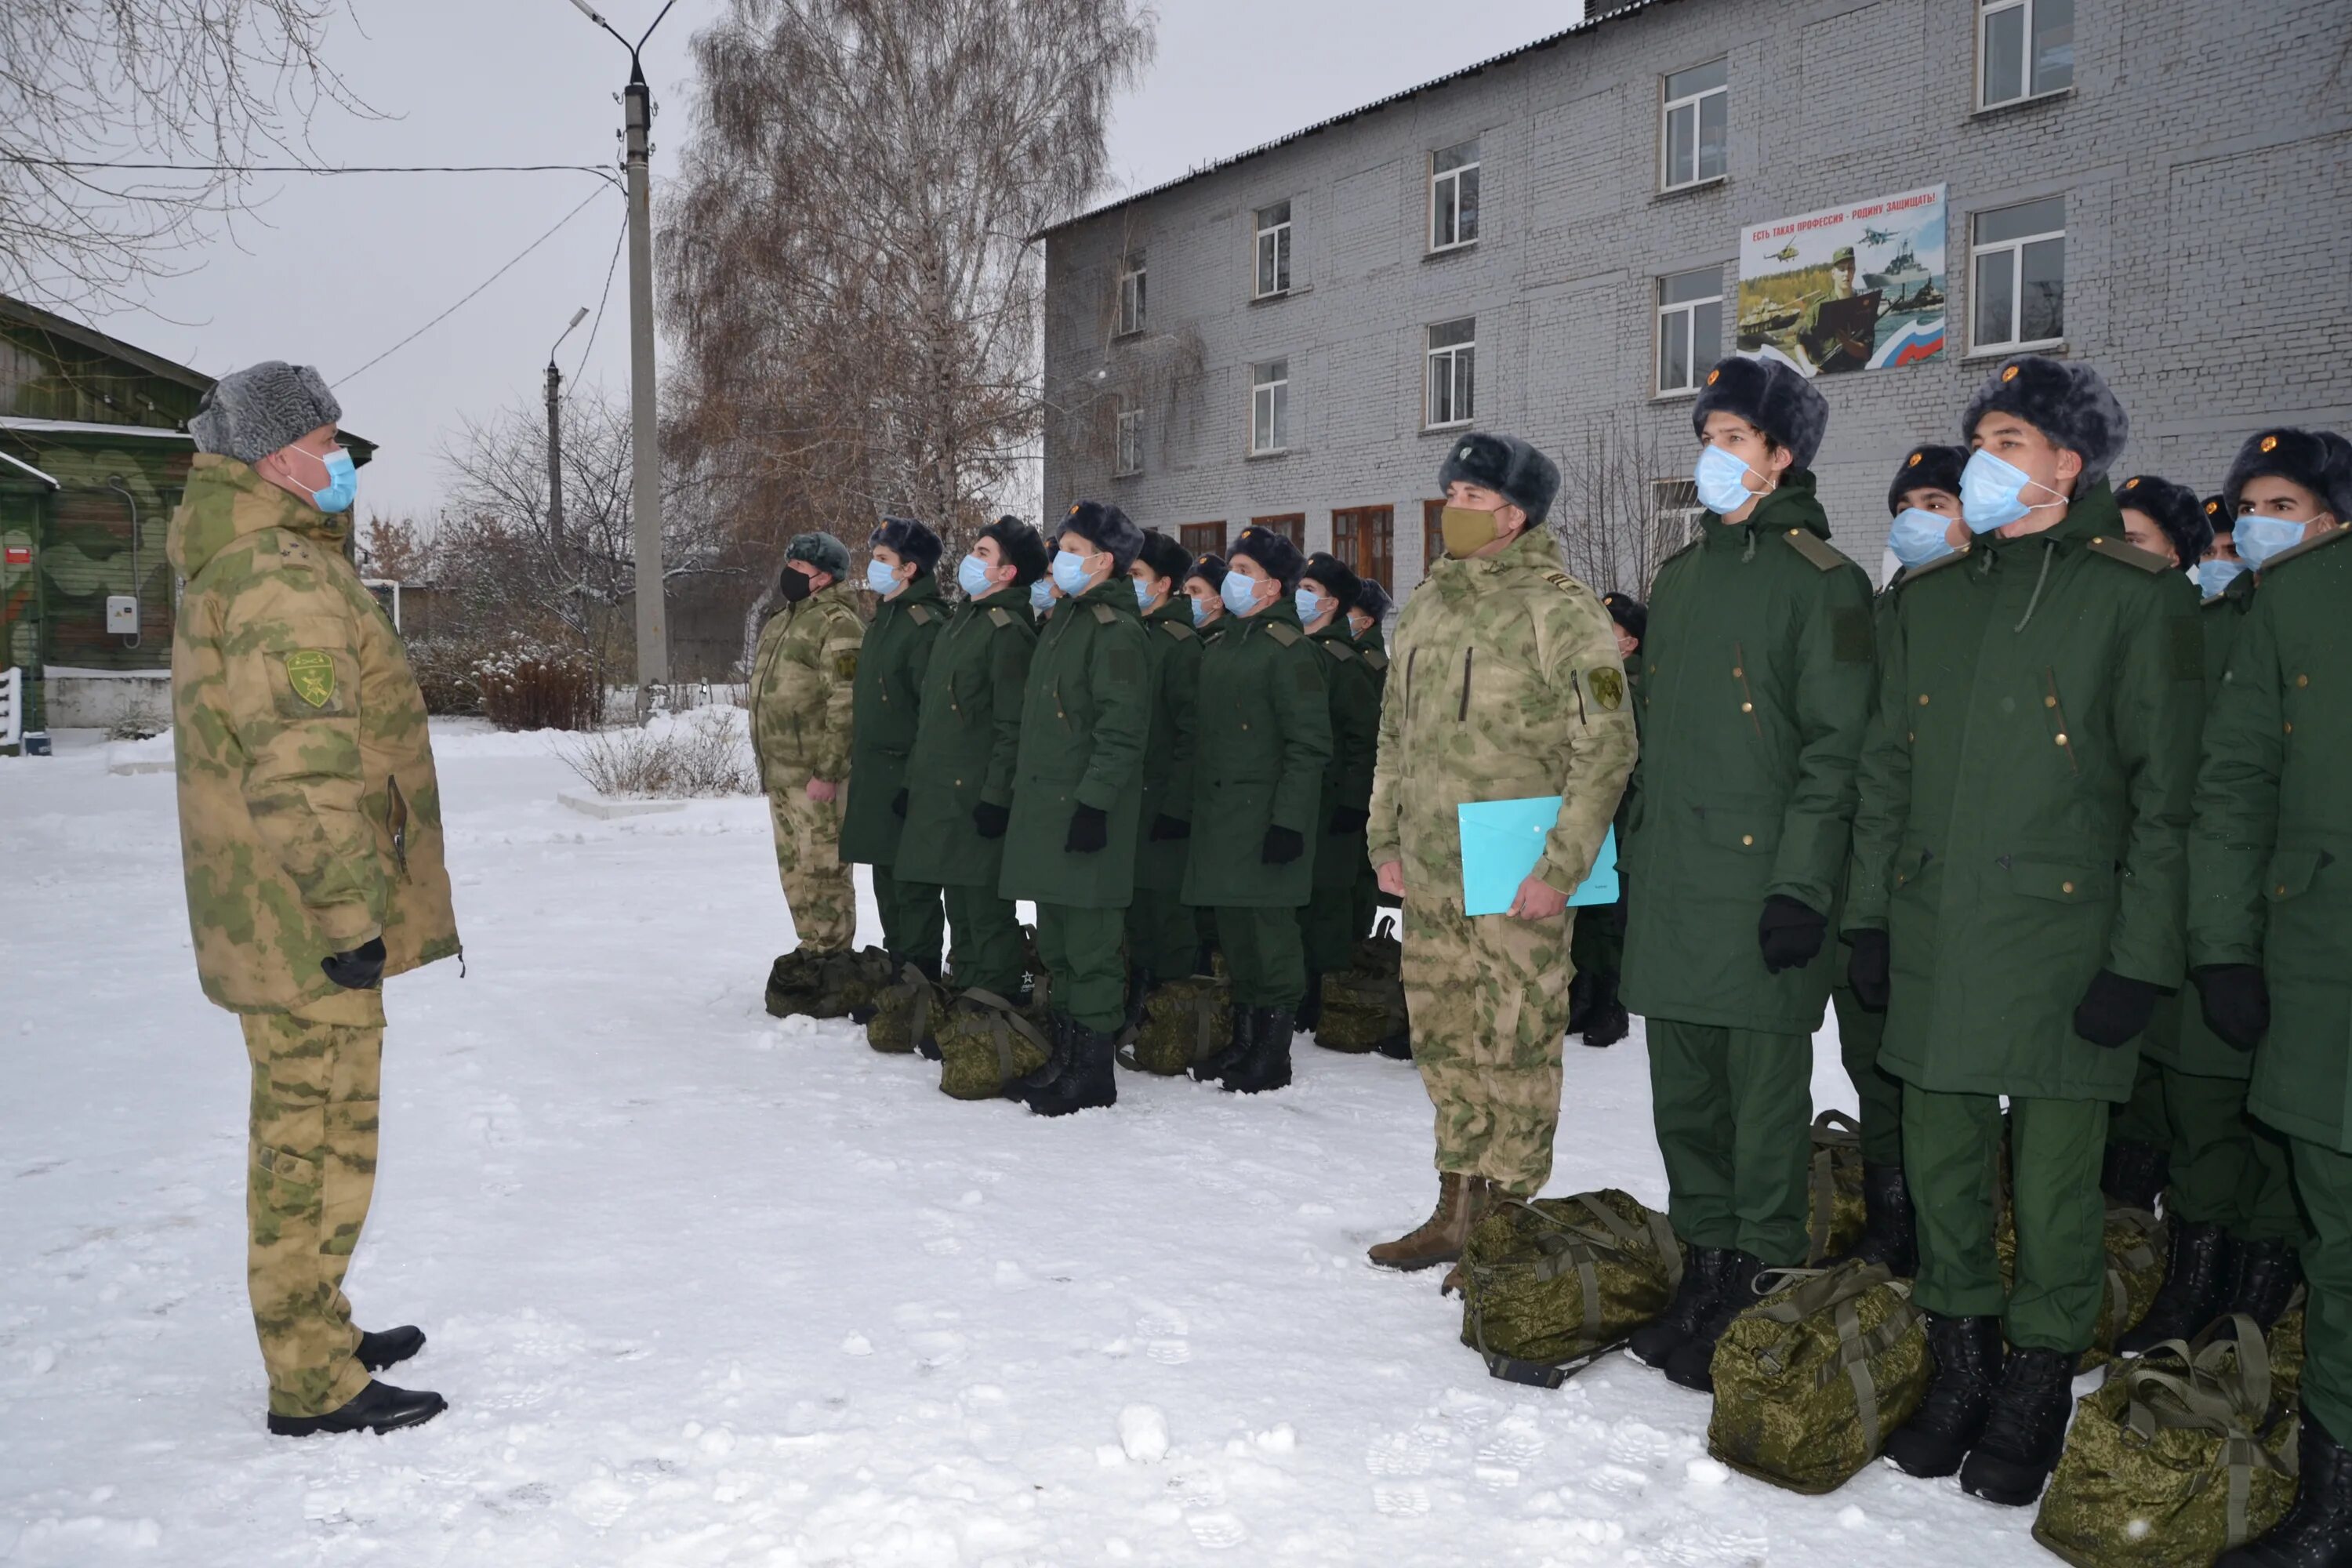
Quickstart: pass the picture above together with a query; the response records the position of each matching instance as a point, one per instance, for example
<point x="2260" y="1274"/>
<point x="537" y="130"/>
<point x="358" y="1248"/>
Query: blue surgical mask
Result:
<point x="1309" y="605"/>
<point x="1239" y="592"/>
<point x="2214" y="577"/>
<point x="342" y="480"/>
<point x="1720" y="487"/>
<point x="1917" y="537"/>
<point x="1200" y="612"/>
<point x="2259" y="537"/>
<point x="971" y="576"/>
<point x="880" y="578"/>
<point x="1041" y="595"/>
<point x="1069" y="573"/>
<point x="1142" y="594"/>
<point x="1992" y="493"/>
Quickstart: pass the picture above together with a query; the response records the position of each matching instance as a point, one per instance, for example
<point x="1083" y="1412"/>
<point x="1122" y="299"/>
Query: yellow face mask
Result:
<point x="1466" y="530"/>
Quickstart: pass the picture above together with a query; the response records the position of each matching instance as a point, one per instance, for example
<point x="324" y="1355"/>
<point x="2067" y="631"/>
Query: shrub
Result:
<point x="444" y="667"/>
<point x="527" y="684"/>
<point x="706" y="752"/>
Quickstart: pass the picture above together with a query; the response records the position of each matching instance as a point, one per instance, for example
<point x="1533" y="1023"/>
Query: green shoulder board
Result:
<point x="1815" y="548"/>
<point x="1339" y="650"/>
<point x="920" y="613"/>
<point x="1285" y="636"/>
<point x="2130" y="554"/>
<point x="998" y="616"/>
<point x="1178" y="630"/>
<point x="1912" y="574"/>
<point x="1377" y="659"/>
<point x="1105" y="614"/>
<point x="2333" y="536"/>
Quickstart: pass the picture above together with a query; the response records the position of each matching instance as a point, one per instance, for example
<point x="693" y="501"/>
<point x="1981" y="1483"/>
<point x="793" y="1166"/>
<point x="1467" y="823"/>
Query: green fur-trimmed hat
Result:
<point x="821" y="551"/>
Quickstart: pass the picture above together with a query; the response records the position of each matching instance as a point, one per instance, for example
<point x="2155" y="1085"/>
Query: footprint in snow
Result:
<point x="1163" y="1323"/>
<point x="1401" y="1500"/>
<point x="1515" y="1442"/>
<point x="1396" y="1454"/>
<point x="1168" y="1352"/>
<point x="1221" y="1531"/>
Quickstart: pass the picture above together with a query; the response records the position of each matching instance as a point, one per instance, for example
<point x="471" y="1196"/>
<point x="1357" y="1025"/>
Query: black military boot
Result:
<point x="388" y="1347"/>
<point x="1266" y="1067"/>
<point x="1089" y="1080"/>
<point x="1889" y="1234"/>
<point x="1308" y="1015"/>
<point x="1057" y="1061"/>
<point x="1967" y="1357"/>
<point x="2317" y="1529"/>
<point x="1139" y="991"/>
<point x="1213" y="1067"/>
<point x="2133" y="1174"/>
<point x="1657" y="1340"/>
<point x="1608" y="1023"/>
<point x="1692" y="1364"/>
<point x="2025" y="1428"/>
<point x="1579" y="1000"/>
<point x="2197" y="1279"/>
<point x="379" y="1408"/>
<point x="2268" y="1273"/>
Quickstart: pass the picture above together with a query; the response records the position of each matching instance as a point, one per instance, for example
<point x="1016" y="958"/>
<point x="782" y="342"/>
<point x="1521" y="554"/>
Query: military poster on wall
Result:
<point x="1852" y="287"/>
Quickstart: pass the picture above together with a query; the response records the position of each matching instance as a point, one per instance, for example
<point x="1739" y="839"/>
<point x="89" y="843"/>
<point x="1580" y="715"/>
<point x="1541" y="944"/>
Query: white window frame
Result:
<point x="1274" y="236"/>
<point x="1674" y="502"/>
<point x="1986" y="11"/>
<point x="1693" y="102"/>
<point x="1457" y="364"/>
<point x="1132" y="271"/>
<point x="1450" y="180"/>
<point x="1270" y="385"/>
<point x="1129" y="459"/>
<point x="2014" y="250"/>
<point x="1693" y="364"/>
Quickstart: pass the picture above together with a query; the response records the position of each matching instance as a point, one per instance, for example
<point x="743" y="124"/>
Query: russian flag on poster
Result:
<point x="1919" y="341"/>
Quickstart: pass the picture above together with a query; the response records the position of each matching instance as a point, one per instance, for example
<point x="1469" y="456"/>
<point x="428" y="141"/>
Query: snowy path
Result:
<point x="708" y="1289"/>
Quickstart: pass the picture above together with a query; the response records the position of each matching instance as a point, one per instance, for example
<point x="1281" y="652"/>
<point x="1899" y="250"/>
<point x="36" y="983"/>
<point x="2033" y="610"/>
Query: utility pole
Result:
<point x="555" y="440"/>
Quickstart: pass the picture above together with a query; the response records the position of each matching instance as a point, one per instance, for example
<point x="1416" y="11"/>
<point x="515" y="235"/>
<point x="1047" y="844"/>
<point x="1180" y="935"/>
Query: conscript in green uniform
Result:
<point x="1334" y="918"/>
<point x="1163" y="937"/>
<point x="1204" y="586"/>
<point x="1367" y="618"/>
<point x="884" y="709"/>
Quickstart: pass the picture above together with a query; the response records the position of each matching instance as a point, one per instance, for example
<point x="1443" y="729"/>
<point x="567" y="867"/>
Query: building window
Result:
<point x="1273" y="250"/>
<point x="1690" y="327"/>
<point x="1364" y="539"/>
<point x="1270" y="406"/>
<point x="1130" y="293"/>
<point x="1453" y="196"/>
<point x="1453" y="381"/>
<point x="1676" y="505"/>
<point x="2024" y="49"/>
<point x="1693" y="139"/>
<point x="1201" y="539"/>
<point x="1290" y="523"/>
<point x="2020" y="275"/>
<point x="1130" y="443"/>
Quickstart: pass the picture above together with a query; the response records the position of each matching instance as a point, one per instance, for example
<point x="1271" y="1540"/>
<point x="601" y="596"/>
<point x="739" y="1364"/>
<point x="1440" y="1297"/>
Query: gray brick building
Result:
<point x="2191" y="160"/>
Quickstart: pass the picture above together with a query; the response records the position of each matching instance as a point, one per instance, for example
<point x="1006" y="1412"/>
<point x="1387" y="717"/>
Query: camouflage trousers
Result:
<point x="1489" y="997"/>
<point x="817" y="886"/>
<point x="310" y="1173"/>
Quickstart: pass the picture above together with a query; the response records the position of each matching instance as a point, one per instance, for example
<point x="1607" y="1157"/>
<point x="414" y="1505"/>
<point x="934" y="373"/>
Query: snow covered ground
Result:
<point x="708" y="1289"/>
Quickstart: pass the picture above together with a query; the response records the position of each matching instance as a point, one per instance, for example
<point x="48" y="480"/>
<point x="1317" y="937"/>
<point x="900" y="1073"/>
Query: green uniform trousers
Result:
<point x="2226" y="1168"/>
<point x="984" y="936"/>
<point x="1598" y="948"/>
<point x="913" y="922"/>
<point x="1735" y="1111"/>
<point x="1951" y="1144"/>
<point x="1264" y="955"/>
<point x="1080" y="949"/>
<point x="2324" y="1179"/>
<point x="1163" y="936"/>
<point x="2141" y="1119"/>
<point x="1327" y="928"/>
<point x="1878" y="1093"/>
<point x="1367" y="895"/>
<point x="310" y="1176"/>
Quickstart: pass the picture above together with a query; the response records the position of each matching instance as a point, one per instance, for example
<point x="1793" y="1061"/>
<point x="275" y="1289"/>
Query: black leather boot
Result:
<point x="1309" y="1014"/>
<point x="2133" y="1174"/>
<point x="1579" y="1000"/>
<point x="1212" y="1068"/>
<point x="2268" y="1272"/>
<point x="378" y="1407"/>
<point x="1657" y="1340"/>
<point x="388" y="1347"/>
<point x="1266" y="1067"/>
<point x="1057" y="1060"/>
<point x="1608" y="1023"/>
<point x="1089" y="1080"/>
<point x="2317" y="1529"/>
<point x="1692" y="1364"/>
<point x="1968" y="1357"/>
<point x="2197" y="1279"/>
<point x="2024" y="1429"/>
<point x="1889" y="1234"/>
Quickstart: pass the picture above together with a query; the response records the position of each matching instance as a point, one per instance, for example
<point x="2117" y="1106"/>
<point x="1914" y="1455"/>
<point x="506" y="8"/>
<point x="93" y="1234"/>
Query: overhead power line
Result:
<point x="86" y="165"/>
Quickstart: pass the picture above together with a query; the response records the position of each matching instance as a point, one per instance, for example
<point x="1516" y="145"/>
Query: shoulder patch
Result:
<point x="1282" y="633"/>
<point x="1825" y="556"/>
<point x="1338" y="650"/>
<point x="1178" y="630"/>
<point x="1912" y="574"/>
<point x="2130" y="554"/>
<point x="1608" y="686"/>
<point x="1377" y="659"/>
<point x="1105" y="614"/>
<point x="920" y="613"/>
<point x="312" y="673"/>
<point x="845" y="665"/>
<point x="998" y="616"/>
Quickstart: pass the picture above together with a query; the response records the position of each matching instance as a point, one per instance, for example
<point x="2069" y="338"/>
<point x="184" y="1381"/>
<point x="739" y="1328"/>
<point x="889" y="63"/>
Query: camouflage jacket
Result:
<point x="1504" y="683"/>
<point x="802" y="679"/>
<point x="310" y="810"/>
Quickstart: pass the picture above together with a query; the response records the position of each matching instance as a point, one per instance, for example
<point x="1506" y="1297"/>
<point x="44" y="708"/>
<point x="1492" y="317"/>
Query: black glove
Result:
<point x="1869" y="973"/>
<point x="991" y="820"/>
<point x="1090" y="830"/>
<point x="2114" y="1010"/>
<point x="360" y="969"/>
<point x="2237" y="1002"/>
<point x="898" y="804"/>
<point x="1165" y="827"/>
<point x="1282" y="845"/>
<point x="1789" y="933"/>
<point x="1348" y="819"/>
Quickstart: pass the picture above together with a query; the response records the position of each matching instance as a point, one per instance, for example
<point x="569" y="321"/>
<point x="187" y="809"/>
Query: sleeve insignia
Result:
<point x="845" y="665"/>
<point x="1607" y="688"/>
<point x="312" y="673"/>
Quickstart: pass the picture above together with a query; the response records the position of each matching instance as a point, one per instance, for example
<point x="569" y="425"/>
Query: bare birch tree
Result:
<point x="1622" y="508"/>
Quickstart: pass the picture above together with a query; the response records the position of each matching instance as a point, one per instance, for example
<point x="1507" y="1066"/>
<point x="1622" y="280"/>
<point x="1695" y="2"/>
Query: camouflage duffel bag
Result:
<point x="1363" y="1005"/>
<point x="2182" y="1455"/>
<point x="1551" y="1286"/>
<point x="792" y="984"/>
<point x="2287" y="1348"/>
<point x="2135" y="1245"/>
<point x="1809" y="1382"/>
<point x="826" y="985"/>
<point x="1184" y="1021"/>
<point x="1834" y="1211"/>
<point x="903" y="1013"/>
<point x="985" y="1044"/>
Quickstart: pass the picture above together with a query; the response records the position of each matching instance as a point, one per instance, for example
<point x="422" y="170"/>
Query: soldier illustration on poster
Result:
<point x="1860" y="287"/>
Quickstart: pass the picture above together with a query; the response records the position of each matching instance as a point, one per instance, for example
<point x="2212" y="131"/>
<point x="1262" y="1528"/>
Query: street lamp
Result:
<point x="555" y="437"/>
<point x="645" y="455"/>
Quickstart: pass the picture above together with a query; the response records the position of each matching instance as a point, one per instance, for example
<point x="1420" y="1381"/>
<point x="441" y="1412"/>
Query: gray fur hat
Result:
<point x="1928" y="468"/>
<point x="2318" y="460"/>
<point x="2071" y="404"/>
<point x="821" y="551"/>
<point x="2174" y="509"/>
<point x="1509" y="467"/>
<point x="1106" y="528"/>
<point x="1770" y="395"/>
<point x="913" y="541"/>
<point x="251" y="412"/>
<point x="1371" y="599"/>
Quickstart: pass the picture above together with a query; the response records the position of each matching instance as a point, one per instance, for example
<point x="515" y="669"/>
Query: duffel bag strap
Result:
<point x="2224" y="1389"/>
<point x="1528" y="1374"/>
<point x="1661" y="1234"/>
<point x="1004" y="1022"/>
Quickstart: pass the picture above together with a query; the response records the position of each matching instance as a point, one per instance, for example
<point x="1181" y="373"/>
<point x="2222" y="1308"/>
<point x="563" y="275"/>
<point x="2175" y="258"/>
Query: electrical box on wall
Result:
<point x="122" y="614"/>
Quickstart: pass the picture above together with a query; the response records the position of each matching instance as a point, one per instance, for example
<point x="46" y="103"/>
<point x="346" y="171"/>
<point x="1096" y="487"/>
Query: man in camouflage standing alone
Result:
<point x="1544" y="712"/>
<point x="310" y="829"/>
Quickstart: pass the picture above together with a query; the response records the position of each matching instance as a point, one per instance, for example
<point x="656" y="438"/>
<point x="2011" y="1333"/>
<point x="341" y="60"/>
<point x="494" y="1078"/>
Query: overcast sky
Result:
<point x="337" y="271"/>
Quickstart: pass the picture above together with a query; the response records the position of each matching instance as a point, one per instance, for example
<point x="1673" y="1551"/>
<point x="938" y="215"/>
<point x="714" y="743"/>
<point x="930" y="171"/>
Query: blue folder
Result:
<point x="1501" y="842"/>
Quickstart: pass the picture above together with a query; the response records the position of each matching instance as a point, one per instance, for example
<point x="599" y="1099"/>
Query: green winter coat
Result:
<point x="1086" y="715"/>
<point x="1264" y="739"/>
<point x="1174" y="650"/>
<point x="1755" y="695"/>
<point x="309" y="809"/>
<point x="2024" y="802"/>
<point x="966" y="740"/>
<point x="1353" y="692"/>
<point x="1375" y="649"/>
<point x="2271" y="877"/>
<point x="885" y="708"/>
<point x="802" y="679"/>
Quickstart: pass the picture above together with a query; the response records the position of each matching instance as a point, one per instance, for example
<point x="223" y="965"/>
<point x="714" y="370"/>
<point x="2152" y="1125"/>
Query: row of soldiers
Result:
<point x="1164" y="753"/>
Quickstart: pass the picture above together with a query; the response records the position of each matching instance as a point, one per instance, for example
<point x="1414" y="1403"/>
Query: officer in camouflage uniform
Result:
<point x="883" y="713"/>
<point x="2269" y="912"/>
<point x="1334" y="918"/>
<point x="310" y="829"/>
<point x="1505" y="684"/>
<point x="802" y="676"/>
<point x="1598" y="949"/>
<point x="1163" y="938"/>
